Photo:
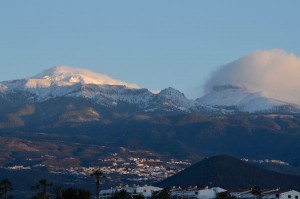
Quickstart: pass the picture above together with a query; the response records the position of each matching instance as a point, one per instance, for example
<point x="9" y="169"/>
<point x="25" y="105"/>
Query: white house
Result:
<point x="267" y="194"/>
<point x="203" y="193"/>
<point x="281" y="194"/>
<point x="146" y="191"/>
<point x="243" y="194"/>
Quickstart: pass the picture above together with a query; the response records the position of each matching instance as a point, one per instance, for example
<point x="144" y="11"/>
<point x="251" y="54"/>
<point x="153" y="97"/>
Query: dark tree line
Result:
<point x="5" y="187"/>
<point x="57" y="192"/>
<point x="123" y="194"/>
<point x="44" y="190"/>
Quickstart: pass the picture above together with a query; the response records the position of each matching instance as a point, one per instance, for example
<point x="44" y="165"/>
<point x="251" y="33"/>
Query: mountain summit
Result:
<point x="77" y="75"/>
<point x="258" y="81"/>
<point x="75" y="83"/>
<point x="243" y="100"/>
<point x="230" y="173"/>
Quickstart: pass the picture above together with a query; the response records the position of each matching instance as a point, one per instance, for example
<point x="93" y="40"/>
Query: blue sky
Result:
<point x="155" y="44"/>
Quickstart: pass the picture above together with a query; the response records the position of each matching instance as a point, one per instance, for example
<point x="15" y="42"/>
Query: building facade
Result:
<point x="278" y="194"/>
<point x="196" y="193"/>
<point x="146" y="191"/>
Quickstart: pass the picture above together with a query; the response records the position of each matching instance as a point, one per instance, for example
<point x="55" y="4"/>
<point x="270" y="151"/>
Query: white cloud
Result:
<point x="274" y="73"/>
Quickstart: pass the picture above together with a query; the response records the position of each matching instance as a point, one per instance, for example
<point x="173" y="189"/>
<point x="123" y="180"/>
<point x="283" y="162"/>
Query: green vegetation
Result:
<point x="73" y="193"/>
<point x="57" y="191"/>
<point x="41" y="189"/>
<point x="5" y="187"/>
<point x="256" y="191"/>
<point x="98" y="174"/>
<point x="163" y="194"/>
<point x="122" y="194"/>
<point x="224" y="171"/>
<point x="44" y="183"/>
<point x="138" y="197"/>
<point x="225" y="195"/>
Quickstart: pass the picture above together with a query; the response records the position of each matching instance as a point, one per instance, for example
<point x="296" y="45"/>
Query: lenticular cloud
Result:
<point x="274" y="73"/>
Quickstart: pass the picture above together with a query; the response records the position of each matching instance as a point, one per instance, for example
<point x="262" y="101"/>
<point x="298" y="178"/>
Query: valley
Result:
<point x="65" y="124"/>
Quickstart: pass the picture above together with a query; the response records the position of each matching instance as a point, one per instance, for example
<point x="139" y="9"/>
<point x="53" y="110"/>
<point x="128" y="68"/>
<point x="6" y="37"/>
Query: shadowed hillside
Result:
<point x="230" y="173"/>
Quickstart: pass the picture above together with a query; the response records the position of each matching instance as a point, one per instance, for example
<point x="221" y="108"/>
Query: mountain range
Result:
<point x="63" y="81"/>
<point x="64" y="111"/>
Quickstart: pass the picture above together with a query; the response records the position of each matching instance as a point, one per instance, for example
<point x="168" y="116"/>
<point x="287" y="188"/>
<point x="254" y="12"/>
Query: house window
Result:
<point x="289" y="196"/>
<point x="296" y="197"/>
<point x="145" y="190"/>
<point x="196" y="193"/>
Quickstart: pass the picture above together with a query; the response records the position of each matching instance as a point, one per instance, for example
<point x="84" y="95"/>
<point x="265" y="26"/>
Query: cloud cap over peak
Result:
<point x="275" y="73"/>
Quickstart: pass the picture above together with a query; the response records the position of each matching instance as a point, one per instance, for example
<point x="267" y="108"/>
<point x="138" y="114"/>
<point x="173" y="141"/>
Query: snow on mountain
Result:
<point x="2" y="87"/>
<point x="60" y="81"/>
<point x="171" y="97"/>
<point x="63" y="81"/>
<point x="66" y="75"/>
<point x="63" y="76"/>
<point x="241" y="99"/>
<point x="112" y="95"/>
<point x="262" y="81"/>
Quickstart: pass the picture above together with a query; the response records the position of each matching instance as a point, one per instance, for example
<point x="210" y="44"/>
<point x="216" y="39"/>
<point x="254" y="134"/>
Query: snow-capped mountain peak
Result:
<point x="171" y="92"/>
<point x="175" y="98"/>
<point x="242" y="99"/>
<point x="64" y="81"/>
<point x="66" y="74"/>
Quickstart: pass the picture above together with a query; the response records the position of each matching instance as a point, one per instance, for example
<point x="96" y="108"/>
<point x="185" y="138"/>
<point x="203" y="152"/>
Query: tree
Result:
<point x="57" y="191"/>
<point x="98" y="174"/>
<point x="224" y="195"/>
<point x="44" y="184"/>
<point x="73" y="193"/>
<point x="5" y="186"/>
<point x="163" y="194"/>
<point x="122" y="194"/>
<point x="32" y="188"/>
<point x="1" y="193"/>
<point x="256" y="191"/>
<point x="138" y="197"/>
